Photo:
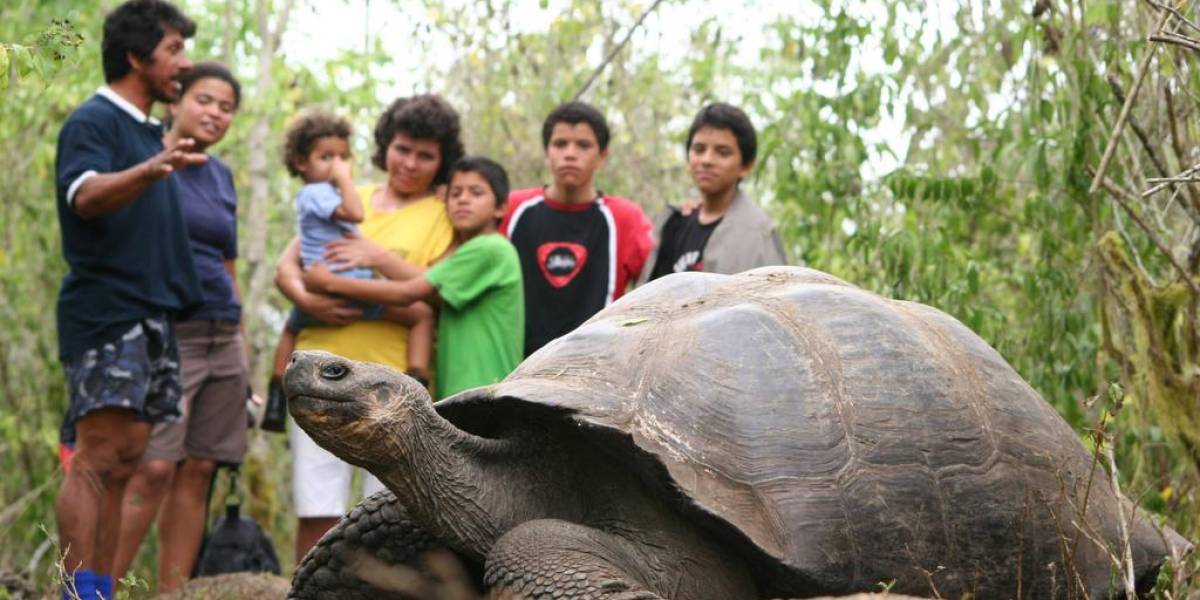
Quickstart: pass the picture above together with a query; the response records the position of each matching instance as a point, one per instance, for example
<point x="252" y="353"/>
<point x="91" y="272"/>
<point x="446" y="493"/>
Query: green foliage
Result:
<point x="41" y="46"/>
<point x="39" y="58"/>
<point x="938" y="158"/>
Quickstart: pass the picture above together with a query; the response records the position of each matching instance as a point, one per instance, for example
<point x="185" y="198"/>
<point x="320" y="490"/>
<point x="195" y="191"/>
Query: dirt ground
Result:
<point x="234" y="586"/>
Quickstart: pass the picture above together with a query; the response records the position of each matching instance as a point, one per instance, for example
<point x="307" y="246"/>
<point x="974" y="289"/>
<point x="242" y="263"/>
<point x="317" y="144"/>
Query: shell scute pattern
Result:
<point x="849" y="437"/>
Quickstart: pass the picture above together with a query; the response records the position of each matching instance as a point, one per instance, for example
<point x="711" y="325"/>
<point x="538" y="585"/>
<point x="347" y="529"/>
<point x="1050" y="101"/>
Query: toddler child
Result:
<point x="317" y="150"/>
<point x="481" y="326"/>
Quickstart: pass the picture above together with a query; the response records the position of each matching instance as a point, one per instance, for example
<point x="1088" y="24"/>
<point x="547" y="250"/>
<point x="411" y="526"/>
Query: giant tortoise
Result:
<point x="773" y="433"/>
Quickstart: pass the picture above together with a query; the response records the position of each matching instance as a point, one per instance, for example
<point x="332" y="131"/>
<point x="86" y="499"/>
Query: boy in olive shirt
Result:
<point x="481" y="326"/>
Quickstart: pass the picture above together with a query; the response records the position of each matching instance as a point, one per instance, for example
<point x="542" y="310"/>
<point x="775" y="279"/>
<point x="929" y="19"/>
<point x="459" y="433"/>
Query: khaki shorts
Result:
<point x="213" y="365"/>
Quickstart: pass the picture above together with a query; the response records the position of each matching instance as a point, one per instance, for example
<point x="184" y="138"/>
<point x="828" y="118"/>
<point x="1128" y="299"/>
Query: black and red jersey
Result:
<point x="575" y="258"/>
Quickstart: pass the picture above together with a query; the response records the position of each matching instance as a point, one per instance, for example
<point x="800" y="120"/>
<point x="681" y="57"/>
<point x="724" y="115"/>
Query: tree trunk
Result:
<point x="260" y="266"/>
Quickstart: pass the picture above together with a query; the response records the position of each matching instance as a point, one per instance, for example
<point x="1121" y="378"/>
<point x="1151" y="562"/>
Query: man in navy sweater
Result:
<point x="130" y="273"/>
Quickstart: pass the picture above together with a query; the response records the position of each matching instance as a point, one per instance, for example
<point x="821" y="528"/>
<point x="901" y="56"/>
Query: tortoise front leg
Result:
<point x="550" y="559"/>
<point x="376" y="553"/>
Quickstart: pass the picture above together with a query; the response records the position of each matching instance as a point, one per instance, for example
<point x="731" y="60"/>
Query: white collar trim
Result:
<point x="125" y="105"/>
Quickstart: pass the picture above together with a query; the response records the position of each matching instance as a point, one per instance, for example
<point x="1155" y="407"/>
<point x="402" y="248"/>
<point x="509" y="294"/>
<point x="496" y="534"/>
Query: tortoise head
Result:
<point x="352" y="409"/>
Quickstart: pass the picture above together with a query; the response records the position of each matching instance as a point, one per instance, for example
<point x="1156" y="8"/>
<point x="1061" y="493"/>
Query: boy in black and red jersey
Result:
<point x="579" y="249"/>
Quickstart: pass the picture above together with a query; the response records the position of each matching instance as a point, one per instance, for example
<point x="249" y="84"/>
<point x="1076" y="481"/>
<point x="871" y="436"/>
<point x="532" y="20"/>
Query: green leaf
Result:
<point x="23" y="60"/>
<point x="4" y="66"/>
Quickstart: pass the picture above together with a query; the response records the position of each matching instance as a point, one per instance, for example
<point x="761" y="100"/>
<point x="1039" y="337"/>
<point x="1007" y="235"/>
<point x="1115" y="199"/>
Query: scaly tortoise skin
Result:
<point x="376" y="552"/>
<point x="773" y="433"/>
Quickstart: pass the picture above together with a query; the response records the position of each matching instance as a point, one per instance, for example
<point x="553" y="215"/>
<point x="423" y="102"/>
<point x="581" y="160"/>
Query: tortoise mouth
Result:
<point x="320" y="399"/>
<point x="309" y="403"/>
<point x="323" y="411"/>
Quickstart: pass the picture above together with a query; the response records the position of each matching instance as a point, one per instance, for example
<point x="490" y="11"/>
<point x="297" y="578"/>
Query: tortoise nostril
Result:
<point x="334" y="372"/>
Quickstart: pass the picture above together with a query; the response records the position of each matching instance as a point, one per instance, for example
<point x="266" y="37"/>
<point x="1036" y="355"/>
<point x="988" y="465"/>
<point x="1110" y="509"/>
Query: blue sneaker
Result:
<point x="104" y="587"/>
<point x="80" y="585"/>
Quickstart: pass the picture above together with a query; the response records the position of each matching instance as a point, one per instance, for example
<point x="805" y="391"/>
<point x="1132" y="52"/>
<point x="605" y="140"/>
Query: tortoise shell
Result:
<point x="846" y="439"/>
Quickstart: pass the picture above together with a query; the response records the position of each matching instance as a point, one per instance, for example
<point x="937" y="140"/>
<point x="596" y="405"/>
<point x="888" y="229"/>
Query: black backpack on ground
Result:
<point x="235" y="543"/>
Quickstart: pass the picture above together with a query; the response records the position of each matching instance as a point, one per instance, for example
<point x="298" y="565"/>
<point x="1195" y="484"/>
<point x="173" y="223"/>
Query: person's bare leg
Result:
<point x="283" y="352"/>
<point x="76" y="511"/>
<point x="309" y="532"/>
<point x="109" y="444"/>
<point x="108" y="532"/>
<point x="181" y="523"/>
<point x="143" y="495"/>
<point x="420" y="340"/>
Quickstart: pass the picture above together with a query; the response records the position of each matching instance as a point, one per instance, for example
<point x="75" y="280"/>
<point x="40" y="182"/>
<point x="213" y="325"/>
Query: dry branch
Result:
<point x="1143" y="67"/>
<point x="1178" y="40"/>
<point x="1173" y="12"/>
<point x="1142" y="137"/>
<point x="1184" y="176"/>
<point x="1125" y="199"/>
<point x="611" y="55"/>
<point x="1177" y="144"/>
<point x="1125" y="565"/>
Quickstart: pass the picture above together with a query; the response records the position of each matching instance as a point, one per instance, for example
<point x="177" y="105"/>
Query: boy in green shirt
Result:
<point x="481" y="326"/>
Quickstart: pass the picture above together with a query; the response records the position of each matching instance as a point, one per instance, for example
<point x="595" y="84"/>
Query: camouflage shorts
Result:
<point x="139" y="371"/>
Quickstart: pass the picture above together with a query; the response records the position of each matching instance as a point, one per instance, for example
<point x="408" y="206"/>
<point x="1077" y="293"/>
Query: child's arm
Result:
<point x="351" y="209"/>
<point x="380" y="291"/>
<point x="396" y="268"/>
<point x="350" y="252"/>
<point x="289" y="280"/>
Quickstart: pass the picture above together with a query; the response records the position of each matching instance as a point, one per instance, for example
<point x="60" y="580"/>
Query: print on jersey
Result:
<point x="561" y="261"/>
<point x="689" y="261"/>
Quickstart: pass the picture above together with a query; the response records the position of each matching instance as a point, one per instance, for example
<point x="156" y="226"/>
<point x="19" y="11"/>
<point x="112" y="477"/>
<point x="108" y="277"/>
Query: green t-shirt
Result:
<point x="481" y="329"/>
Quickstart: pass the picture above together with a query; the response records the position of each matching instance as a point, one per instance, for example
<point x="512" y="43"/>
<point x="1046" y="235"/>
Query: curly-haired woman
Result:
<point x="417" y="140"/>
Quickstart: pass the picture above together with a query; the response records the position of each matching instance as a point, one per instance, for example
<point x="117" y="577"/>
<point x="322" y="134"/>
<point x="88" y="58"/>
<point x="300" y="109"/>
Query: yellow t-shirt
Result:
<point x="420" y="233"/>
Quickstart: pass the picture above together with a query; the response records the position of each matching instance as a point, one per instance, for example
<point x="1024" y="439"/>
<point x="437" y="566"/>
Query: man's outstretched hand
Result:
<point x="176" y="156"/>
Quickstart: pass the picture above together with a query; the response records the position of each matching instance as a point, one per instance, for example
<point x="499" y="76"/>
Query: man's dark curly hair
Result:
<point x="137" y="27"/>
<point x="422" y="117"/>
<point x="303" y="133"/>
<point x="574" y="113"/>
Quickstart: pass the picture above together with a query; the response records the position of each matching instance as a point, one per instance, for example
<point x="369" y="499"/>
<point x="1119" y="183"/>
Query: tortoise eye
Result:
<point x="334" y="372"/>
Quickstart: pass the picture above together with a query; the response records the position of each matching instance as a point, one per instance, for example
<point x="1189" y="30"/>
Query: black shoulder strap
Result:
<point x="231" y="492"/>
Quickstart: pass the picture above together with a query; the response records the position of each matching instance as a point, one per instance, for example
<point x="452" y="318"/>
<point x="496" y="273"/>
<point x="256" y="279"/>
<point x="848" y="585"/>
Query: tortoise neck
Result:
<point x="464" y="488"/>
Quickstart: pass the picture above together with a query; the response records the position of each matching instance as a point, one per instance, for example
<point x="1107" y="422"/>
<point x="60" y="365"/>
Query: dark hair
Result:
<point x="138" y="26"/>
<point x="422" y="117"/>
<point x="720" y="115"/>
<point x="304" y="132"/>
<point x="210" y="70"/>
<point x="573" y="113"/>
<point x="490" y="170"/>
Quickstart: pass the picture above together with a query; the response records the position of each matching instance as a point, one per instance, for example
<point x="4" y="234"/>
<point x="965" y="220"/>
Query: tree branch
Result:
<point x="1125" y="199"/>
<point x="1143" y="68"/>
<point x="1137" y="129"/>
<point x="1176" y="179"/>
<point x="281" y="24"/>
<point x="227" y="34"/>
<point x="1178" y="40"/>
<point x="1177" y="144"/>
<point x="1184" y="176"/>
<point x="611" y="55"/>
<point x="1175" y="13"/>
